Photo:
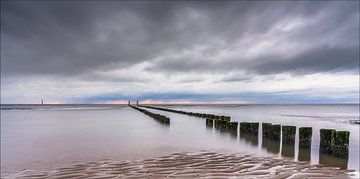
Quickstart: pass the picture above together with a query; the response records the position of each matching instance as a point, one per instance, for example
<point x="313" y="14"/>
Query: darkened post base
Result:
<point x="271" y="145"/>
<point x="249" y="128"/>
<point x="253" y="140"/>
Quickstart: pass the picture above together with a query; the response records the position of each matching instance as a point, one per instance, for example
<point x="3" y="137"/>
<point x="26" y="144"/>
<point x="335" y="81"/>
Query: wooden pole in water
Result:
<point x="288" y="134"/>
<point x="305" y="135"/>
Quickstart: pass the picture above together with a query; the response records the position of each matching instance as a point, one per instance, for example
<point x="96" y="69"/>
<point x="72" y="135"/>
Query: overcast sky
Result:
<point x="234" y="52"/>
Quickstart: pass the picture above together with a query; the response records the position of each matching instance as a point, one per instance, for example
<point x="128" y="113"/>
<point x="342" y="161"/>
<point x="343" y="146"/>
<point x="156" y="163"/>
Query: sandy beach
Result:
<point x="202" y="164"/>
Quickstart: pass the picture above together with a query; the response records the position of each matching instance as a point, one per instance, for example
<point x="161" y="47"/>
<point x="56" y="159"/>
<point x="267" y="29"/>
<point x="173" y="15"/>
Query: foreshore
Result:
<point x="202" y="164"/>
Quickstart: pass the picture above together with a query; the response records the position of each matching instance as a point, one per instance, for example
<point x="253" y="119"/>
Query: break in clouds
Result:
<point x="89" y="51"/>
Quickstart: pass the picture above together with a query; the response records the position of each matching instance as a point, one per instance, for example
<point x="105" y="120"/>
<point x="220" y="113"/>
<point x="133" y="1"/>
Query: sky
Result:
<point x="180" y="52"/>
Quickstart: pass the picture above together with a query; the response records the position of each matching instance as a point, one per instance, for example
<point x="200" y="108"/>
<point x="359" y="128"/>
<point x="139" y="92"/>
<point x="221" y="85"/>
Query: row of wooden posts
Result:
<point x="160" y="118"/>
<point x="332" y="142"/>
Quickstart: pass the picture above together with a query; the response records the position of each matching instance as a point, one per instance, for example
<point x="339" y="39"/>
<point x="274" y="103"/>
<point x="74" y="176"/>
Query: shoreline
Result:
<point x="202" y="164"/>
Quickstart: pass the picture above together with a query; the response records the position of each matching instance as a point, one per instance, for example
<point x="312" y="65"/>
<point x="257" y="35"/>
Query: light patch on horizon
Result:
<point x="179" y="52"/>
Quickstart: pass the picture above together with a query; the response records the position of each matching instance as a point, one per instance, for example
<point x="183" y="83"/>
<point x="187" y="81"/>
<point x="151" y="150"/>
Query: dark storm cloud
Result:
<point x="67" y="38"/>
<point x="315" y="60"/>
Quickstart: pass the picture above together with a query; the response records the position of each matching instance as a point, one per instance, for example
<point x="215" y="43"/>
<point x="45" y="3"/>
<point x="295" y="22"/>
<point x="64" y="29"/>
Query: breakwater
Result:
<point x="160" y="118"/>
<point x="223" y="123"/>
<point x="335" y="143"/>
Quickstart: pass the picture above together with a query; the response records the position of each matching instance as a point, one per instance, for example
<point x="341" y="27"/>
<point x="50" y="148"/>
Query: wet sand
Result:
<point x="201" y="164"/>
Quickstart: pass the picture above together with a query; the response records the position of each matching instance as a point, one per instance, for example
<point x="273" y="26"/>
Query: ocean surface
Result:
<point x="43" y="137"/>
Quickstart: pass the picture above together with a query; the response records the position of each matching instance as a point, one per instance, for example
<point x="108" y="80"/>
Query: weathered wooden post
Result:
<point x="327" y="137"/>
<point x="275" y="131"/>
<point x="288" y="134"/>
<point x="271" y="137"/>
<point x="266" y="130"/>
<point x="271" y="131"/>
<point x="244" y="127"/>
<point x="254" y="126"/>
<point x="209" y="122"/>
<point x="341" y="144"/>
<point x="232" y="127"/>
<point x="288" y="140"/>
<point x="220" y="124"/>
<point x="305" y="135"/>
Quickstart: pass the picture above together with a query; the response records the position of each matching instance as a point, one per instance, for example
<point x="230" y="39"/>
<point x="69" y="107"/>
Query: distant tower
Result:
<point x="42" y="101"/>
<point x="137" y="103"/>
<point x="128" y="103"/>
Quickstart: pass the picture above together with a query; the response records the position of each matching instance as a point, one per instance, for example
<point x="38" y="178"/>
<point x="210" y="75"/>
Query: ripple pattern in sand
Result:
<point x="190" y="165"/>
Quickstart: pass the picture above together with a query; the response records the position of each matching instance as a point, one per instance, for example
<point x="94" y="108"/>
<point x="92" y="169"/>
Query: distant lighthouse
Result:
<point x="42" y="101"/>
<point x="129" y="103"/>
<point x="137" y="103"/>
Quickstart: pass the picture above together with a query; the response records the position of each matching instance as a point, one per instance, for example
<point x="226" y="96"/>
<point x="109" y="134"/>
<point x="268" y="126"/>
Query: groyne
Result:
<point x="332" y="142"/>
<point x="160" y="118"/>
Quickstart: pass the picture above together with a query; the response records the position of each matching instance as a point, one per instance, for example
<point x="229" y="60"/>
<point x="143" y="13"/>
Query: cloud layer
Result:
<point x="79" y="51"/>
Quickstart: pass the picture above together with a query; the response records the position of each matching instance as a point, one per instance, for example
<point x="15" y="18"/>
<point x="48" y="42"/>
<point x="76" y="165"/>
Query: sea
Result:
<point x="44" y="137"/>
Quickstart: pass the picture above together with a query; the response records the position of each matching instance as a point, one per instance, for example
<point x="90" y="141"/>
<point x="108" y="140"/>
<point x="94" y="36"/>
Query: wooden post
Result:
<point x="288" y="140"/>
<point x="288" y="134"/>
<point x="341" y="144"/>
<point x="327" y="137"/>
<point x="305" y="134"/>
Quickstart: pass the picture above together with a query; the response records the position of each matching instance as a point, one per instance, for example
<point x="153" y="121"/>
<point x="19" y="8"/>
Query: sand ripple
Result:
<point x="190" y="165"/>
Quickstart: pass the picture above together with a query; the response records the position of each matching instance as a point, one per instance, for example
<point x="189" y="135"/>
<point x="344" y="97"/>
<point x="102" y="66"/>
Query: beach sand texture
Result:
<point x="201" y="164"/>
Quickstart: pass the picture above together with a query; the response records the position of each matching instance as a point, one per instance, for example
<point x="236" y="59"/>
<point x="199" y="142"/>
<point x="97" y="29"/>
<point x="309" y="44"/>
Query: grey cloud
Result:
<point x="316" y="60"/>
<point x="76" y="38"/>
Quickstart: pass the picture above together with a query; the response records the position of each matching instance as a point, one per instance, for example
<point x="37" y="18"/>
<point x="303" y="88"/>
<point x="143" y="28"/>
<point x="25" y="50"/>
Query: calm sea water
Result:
<point x="45" y="137"/>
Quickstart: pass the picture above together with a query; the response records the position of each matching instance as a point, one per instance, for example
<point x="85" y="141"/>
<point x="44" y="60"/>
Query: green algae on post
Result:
<point x="288" y="134"/>
<point x="341" y="144"/>
<point x="266" y="129"/>
<point x="219" y="124"/>
<point x="232" y="127"/>
<point x="244" y="127"/>
<point x="275" y="132"/>
<point x="254" y="128"/>
<point x="327" y="137"/>
<point x="305" y="134"/>
<point x="250" y="128"/>
<point x="271" y="131"/>
<point x="334" y="142"/>
<point x="288" y="141"/>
